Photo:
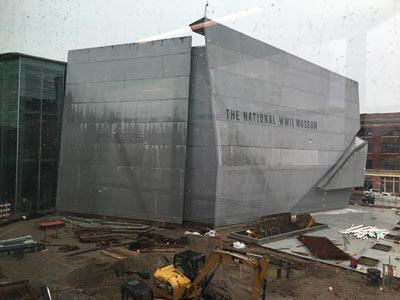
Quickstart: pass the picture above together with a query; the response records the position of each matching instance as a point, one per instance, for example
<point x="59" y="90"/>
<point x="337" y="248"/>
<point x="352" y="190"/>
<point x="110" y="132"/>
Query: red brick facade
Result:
<point x="382" y="131"/>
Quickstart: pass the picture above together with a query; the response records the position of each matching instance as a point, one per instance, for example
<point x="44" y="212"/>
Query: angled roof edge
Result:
<point x="355" y="145"/>
<point x="198" y="26"/>
<point x="13" y="55"/>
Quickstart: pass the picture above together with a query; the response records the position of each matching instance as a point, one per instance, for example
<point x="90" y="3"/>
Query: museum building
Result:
<point x="218" y="134"/>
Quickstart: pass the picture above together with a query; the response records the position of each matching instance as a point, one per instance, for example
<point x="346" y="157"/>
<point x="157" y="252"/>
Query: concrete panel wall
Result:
<point x="201" y="162"/>
<point x="125" y="130"/>
<point x="351" y="172"/>
<point x="220" y="134"/>
<point x="280" y="124"/>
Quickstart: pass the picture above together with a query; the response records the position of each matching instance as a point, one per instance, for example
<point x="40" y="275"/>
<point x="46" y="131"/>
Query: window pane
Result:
<point x="390" y="131"/>
<point x="365" y="132"/>
<point x="30" y="101"/>
<point x="390" y="165"/>
<point x="390" y="148"/>
<point x="369" y="164"/>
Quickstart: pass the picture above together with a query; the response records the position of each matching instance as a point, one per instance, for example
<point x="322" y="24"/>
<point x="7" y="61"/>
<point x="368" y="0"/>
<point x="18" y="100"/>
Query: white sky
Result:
<point x="356" y="38"/>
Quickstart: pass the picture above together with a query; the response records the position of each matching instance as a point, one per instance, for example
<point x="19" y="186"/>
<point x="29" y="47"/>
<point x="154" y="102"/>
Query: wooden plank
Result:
<point x="156" y="249"/>
<point x="110" y="254"/>
<point x="79" y="252"/>
<point x="123" y="251"/>
<point x="8" y="289"/>
<point x="13" y="283"/>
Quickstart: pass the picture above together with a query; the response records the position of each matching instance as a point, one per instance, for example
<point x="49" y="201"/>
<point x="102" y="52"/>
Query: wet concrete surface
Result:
<point x="337" y="220"/>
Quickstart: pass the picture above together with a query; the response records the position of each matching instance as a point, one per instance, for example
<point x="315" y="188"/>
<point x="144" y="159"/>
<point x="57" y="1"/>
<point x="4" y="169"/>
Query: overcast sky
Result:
<point x="356" y="38"/>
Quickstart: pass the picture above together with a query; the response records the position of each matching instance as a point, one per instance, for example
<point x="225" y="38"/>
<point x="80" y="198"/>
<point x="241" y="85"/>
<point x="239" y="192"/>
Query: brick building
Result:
<point x="382" y="131"/>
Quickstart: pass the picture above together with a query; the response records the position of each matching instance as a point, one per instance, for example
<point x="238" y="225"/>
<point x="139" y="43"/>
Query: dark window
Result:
<point x="367" y="185"/>
<point x="390" y="148"/>
<point x="390" y="185"/>
<point x="369" y="164"/>
<point x="370" y="148"/>
<point x="390" y="131"/>
<point x="365" y="132"/>
<point x="390" y="165"/>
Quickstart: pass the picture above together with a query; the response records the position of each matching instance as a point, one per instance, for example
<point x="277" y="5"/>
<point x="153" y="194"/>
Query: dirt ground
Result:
<point x="94" y="276"/>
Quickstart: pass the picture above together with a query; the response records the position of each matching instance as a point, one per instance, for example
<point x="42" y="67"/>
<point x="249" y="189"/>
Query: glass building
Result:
<point x="31" y="102"/>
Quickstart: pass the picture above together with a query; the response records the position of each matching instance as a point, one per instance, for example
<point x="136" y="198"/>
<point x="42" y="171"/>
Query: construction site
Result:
<point x="164" y="170"/>
<point x="69" y="257"/>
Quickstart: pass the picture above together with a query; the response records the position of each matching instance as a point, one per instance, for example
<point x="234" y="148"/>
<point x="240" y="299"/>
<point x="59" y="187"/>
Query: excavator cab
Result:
<point x="189" y="263"/>
<point x="136" y="290"/>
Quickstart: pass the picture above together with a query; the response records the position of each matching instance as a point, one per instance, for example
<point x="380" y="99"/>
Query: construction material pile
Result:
<point x="20" y="289"/>
<point x="365" y="232"/>
<point x="18" y="245"/>
<point x="118" y="252"/>
<point x="303" y="220"/>
<point x="272" y="225"/>
<point x="322" y="247"/>
<point x="282" y="223"/>
<point x="102" y="231"/>
<point x="151" y="242"/>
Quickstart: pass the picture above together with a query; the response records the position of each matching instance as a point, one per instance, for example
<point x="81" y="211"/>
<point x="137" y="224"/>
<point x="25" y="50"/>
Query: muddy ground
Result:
<point x="94" y="276"/>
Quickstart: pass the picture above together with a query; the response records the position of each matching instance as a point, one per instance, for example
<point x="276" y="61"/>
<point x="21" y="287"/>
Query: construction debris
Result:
<point x="103" y="232"/>
<point x="68" y="248"/>
<point x="113" y="255"/>
<point x="322" y="247"/>
<point x="303" y="221"/>
<point x="300" y="253"/>
<point x="272" y="225"/>
<point x="158" y="249"/>
<point x="118" y="253"/>
<point x="95" y="237"/>
<point x="210" y="233"/>
<point x="157" y="243"/>
<point x="17" y="290"/>
<point x="95" y="249"/>
<point x="193" y="233"/>
<point x="17" y="246"/>
<point x="239" y="245"/>
<point x="277" y="227"/>
<point x="365" y="232"/>
<point x="122" y="251"/>
<point x="106" y="226"/>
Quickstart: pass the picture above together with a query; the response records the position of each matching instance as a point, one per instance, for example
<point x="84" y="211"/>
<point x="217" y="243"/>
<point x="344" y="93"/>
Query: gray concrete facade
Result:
<point x="267" y="132"/>
<point x="280" y="125"/>
<point x="201" y="161"/>
<point x="124" y="130"/>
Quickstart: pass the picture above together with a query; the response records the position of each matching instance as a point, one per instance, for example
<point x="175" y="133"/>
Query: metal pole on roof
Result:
<point x="205" y="10"/>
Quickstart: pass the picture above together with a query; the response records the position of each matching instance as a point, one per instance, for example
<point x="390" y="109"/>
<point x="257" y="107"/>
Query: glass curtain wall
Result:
<point x="31" y="132"/>
<point x="9" y="81"/>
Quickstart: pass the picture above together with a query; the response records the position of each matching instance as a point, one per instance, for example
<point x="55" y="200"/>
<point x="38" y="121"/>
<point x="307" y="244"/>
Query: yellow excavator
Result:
<point x="190" y="274"/>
